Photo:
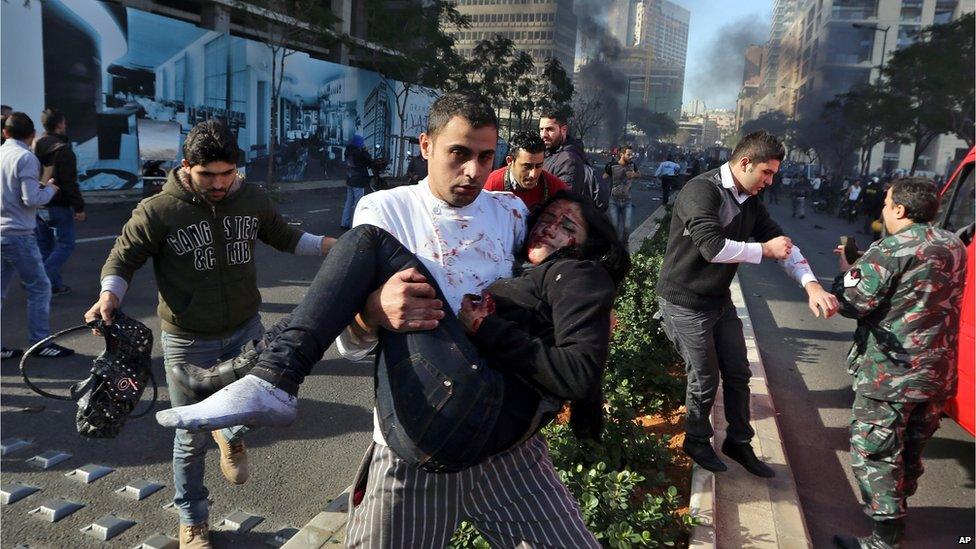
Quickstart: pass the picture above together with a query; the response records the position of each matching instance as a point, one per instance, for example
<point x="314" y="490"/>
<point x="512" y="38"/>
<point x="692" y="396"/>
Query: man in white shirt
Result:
<point x="467" y="239"/>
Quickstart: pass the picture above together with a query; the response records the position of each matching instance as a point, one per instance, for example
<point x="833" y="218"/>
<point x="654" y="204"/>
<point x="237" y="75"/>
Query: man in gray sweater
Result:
<point x="22" y="195"/>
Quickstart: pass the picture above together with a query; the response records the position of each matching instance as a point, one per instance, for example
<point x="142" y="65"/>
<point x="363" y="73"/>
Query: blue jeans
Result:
<point x="20" y="254"/>
<point x="189" y="449"/>
<point x="56" y="239"/>
<point x="621" y="212"/>
<point x="353" y="194"/>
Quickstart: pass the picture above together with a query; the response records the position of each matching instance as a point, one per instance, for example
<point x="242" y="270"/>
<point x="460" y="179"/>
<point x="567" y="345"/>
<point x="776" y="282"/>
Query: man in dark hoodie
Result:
<point x="201" y="234"/>
<point x="565" y="160"/>
<point x="56" y="221"/>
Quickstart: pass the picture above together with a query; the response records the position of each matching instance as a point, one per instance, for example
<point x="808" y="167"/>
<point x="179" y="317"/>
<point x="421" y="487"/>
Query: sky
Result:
<point x="719" y="32"/>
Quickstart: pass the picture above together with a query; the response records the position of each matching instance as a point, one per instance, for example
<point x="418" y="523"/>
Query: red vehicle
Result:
<point x="956" y="215"/>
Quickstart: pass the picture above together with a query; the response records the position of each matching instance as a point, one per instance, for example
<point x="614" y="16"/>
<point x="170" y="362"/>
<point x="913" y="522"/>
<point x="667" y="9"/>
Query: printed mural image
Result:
<point x="113" y="69"/>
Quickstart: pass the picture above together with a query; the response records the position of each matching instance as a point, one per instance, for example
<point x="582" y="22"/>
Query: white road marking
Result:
<point x="319" y="211"/>
<point x="96" y="238"/>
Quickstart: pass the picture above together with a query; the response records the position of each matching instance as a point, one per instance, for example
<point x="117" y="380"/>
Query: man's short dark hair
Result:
<point x="529" y="142"/>
<point x="918" y="195"/>
<point x="210" y="141"/>
<point x="473" y="108"/>
<point x="559" y="113"/>
<point x="760" y="146"/>
<point x="51" y="119"/>
<point x="5" y="110"/>
<point x="19" y="126"/>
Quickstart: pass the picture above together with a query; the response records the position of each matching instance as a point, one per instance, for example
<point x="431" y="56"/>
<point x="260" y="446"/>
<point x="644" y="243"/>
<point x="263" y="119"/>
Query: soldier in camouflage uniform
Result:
<point x="906" y="294"/>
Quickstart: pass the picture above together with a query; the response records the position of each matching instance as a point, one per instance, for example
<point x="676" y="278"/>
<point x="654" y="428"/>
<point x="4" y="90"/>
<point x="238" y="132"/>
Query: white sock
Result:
<point x="248" y="401"/>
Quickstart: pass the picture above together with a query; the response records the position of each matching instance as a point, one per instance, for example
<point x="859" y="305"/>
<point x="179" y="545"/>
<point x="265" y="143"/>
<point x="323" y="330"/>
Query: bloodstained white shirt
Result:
<point x="465" y="249"/>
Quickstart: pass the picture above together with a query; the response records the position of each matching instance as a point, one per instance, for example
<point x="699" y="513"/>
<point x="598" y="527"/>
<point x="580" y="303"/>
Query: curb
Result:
<point x="702" y="499"/>
<point x="327" y="528"/>
<point x="750" y="511"/>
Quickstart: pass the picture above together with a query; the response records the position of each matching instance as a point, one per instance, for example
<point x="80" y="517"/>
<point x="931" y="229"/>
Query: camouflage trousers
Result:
<point x="887" y="439"/>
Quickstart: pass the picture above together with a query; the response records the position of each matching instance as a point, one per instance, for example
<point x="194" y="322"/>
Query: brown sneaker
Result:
<point x="195" y="536"/>
<point x="233" y="459"/>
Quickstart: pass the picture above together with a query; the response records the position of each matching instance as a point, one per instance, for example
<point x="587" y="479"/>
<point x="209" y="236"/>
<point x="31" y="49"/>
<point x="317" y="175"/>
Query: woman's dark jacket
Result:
<point x="552" y="331"/>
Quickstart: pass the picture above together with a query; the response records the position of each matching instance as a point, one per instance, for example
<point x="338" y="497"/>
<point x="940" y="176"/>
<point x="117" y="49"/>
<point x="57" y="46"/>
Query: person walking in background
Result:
<point x="906" y="293"/>
<point x="666" y="172"/>
<point x="800" y="191"/>
<point x="358" y="162"/>
<point x="22" y="194"/>
<point x="622" y="175"/>
<point x="56" y="227"/>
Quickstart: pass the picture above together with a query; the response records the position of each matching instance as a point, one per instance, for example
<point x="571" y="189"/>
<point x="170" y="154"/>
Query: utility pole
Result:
<point x="884" y="44"/>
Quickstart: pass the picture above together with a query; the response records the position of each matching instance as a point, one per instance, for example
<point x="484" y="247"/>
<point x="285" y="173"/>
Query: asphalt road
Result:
<point x="295" y="471"/>
<point x="805" y="361"/>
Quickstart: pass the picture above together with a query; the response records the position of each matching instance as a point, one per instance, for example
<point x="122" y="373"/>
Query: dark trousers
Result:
<point x="667" y="181"/>
<point x="713" y="348"/>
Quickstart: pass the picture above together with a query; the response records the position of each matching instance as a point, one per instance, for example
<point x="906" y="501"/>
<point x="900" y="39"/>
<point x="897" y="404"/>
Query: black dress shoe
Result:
<point x="704" y="455"/>
<point x="744" y="454"/>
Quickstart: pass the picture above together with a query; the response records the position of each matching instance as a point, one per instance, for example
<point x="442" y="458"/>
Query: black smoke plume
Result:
<point x="719" y="78"/>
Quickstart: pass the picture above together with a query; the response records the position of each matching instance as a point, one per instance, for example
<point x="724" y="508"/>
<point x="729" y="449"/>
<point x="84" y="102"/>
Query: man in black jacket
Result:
<point x="714" y="215"/>
<point x="565" y="159"/>
<point x="56" y="222"/>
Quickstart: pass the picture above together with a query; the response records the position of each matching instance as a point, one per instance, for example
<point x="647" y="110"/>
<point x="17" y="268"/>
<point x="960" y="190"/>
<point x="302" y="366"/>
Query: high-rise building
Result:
<point x="654" y="36"/>
<point x="751" y="84"/>
<point x="543" y="28"/>
<point x="784" y="11"/>
<point x="834" y="45"/>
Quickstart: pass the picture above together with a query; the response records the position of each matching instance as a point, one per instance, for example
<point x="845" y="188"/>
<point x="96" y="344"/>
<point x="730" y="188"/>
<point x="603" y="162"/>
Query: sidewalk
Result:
<point x="736" y="509"/>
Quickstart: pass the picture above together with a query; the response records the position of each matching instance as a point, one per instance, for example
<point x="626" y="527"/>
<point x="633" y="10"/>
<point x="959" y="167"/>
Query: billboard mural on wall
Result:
<point x="113" y="69"/>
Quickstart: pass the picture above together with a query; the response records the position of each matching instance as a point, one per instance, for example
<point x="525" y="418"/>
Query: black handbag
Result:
<point x="119" y="375"/>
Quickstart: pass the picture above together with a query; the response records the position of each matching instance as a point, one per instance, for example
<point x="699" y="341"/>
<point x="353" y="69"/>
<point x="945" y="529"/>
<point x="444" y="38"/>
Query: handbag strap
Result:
<point x="78" y="388"/>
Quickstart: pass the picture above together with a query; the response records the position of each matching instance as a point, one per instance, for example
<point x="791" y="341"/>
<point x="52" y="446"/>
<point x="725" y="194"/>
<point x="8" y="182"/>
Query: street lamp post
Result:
<point x="627" y="108"/>
<point x="884" y="40"/>
<point x="884" y="44"/>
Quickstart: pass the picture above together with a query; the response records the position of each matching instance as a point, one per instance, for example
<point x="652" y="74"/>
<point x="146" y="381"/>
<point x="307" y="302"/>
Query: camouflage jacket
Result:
<point x="906" y="294"/>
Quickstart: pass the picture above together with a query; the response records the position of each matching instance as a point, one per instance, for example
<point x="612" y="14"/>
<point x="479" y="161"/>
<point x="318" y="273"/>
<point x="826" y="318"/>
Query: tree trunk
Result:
<point x="402" y="114"/>
<point x="922" y="142"/>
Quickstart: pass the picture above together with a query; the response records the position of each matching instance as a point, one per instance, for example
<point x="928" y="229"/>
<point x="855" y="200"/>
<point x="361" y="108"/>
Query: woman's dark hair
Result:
<point x="602" y="243"/>
<point x="210" y="141"/>
<point x="51" y="118"/>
